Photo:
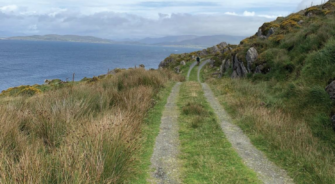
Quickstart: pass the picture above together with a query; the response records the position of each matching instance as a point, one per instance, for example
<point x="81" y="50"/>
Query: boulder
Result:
<point x="177" y="69"/>
<point x="300" y="22"/>
<point x="223" y="45"/>
<point x="215" y="49"/>
<point x="203" y="52"/>
<point x="239" y="69"/>
<point x="263" y="37"/>
<point x="259" y="69"/>
<point x="234" y="75"/>
<point x="251" y="57"/>
<point x="310" y="14"/>
<point x="270" y="32"/>
<point x="331" y="90"/>
<point x="259" y="33"/>
<point x="211" y="63"/>
<point x="183" y="63"/>
<point x="225" y="66"/>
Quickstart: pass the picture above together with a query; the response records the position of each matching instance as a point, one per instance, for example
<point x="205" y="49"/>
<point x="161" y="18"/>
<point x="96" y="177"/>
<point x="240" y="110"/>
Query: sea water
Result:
<point x="31" y="62"/>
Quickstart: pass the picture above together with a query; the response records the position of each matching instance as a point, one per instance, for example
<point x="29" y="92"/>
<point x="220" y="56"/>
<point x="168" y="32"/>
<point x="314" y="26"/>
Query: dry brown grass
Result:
<point x="85" y="134"/>
<point x="287" y="140"/>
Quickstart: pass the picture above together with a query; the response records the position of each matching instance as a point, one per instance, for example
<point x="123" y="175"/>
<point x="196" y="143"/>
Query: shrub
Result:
<point x="192" y="108"/>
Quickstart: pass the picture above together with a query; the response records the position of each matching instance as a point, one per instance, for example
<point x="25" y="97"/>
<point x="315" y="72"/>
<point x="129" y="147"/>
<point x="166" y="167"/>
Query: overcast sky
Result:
<point x="140" y="18"/>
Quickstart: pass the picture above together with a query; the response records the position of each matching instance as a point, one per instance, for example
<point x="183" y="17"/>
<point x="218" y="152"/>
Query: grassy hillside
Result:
<point x="88" y="132"/>
<point x="279" y="99"/>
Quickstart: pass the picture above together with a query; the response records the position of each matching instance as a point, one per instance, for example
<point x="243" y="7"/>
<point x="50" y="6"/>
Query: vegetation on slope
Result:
<point x="83" y="133"/>
<point x="283" y="107"/>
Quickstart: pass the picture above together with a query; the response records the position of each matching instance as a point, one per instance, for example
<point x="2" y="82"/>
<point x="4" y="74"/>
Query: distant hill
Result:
<point x="167" y="39"/>
<point x="64" y="38"/>
<point x="206" y="41"/>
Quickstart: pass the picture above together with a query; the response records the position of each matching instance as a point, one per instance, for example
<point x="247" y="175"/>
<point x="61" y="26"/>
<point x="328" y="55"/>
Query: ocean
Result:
<point x="31" y="62"/>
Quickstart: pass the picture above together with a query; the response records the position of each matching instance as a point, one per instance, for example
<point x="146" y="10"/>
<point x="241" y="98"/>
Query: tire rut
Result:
<point x="164" y="161"/>
<point x="266" y="171"/>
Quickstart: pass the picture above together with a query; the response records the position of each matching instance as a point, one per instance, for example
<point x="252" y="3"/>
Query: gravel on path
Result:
<point x="266" y="171"/>
<point x="190" y="70"/>
<point x="164" y="161"/>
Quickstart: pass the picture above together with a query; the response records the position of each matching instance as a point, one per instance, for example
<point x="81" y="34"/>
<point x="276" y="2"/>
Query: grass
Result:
<point x="293" y="134"/>
<point x="83" y="133"/>
<point x="206" y="155"/>
<point x="149" y="133"/>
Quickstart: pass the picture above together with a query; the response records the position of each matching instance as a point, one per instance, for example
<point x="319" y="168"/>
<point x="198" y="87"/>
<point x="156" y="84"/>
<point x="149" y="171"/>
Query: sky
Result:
<point x="136" y="19"/>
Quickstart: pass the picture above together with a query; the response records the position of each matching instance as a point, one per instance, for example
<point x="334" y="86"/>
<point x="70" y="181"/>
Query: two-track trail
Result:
<point x="164" y="161"/>
<point x="266" y="171"/>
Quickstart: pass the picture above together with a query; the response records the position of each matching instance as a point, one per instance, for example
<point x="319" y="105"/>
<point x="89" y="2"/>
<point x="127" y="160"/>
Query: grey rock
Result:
<point x="225" y="66"/>
<point x="300" y="22"/>
<point x="270" y="32"/>
<point x="310" y="14"/>
<point x="251" y="57"/>
<point x="183" y="63"/>
<point x="234" y="75"/>
<point x="331" y="90"/>
<point x="211" y="63"/>
<point x="238" y="68"/>
<point x="203" y="52"/>
<point x="259" y="33"/>
<point x="263" y="37"/>
<point x="259" y="69"/>
<point x="177" y="69"/>
<point x="215" y="49"/>
<point x="223" y="45"/>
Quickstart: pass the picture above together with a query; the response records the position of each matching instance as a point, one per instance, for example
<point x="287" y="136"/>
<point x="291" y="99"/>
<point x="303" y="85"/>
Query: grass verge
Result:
<point x="206" y="154"/>
<point x="279" y="130"/>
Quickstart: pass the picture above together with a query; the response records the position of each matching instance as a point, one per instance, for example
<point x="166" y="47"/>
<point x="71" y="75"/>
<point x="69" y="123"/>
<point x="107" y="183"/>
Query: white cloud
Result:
<point x="9" y="8"/>
<point x="230" y="13"/>
<point x="248" y="14"/>
<point x="138" y="18"/>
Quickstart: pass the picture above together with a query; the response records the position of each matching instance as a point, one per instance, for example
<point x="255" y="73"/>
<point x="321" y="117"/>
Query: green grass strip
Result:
<point x="206" y="155"/>
<point x="150" y="131"/>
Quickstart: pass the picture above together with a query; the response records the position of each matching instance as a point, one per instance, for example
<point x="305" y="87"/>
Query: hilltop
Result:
<point x="63" y="38"/>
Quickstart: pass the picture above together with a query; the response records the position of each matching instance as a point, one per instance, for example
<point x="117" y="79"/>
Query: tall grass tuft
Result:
<point x="87" y="133"/>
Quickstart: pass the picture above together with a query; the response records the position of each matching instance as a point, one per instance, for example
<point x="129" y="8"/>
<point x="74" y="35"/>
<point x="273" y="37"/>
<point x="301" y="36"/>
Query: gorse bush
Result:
<point x="87" y="133"/>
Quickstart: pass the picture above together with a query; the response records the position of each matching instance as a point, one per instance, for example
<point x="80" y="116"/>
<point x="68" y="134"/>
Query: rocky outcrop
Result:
<point x="166" y="62"/>
<point x="183" y="63"/>
<point x="270" y="32"/>
<point x="331" y="90"/>
<point x="259" y="69"/>
<point x="251" y="57"/>
<point x="177" y="69"/>
<point x="239" y="69"/>
<point x="225" y="66"/>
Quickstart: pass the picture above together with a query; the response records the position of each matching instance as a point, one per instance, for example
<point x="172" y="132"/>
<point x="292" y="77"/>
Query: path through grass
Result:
<point x="206" y="154"/>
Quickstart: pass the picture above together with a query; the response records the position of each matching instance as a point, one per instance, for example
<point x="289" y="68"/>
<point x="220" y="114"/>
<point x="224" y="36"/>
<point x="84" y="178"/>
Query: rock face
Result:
<point x="251" y="57"/>
<point x="331" y="90"/>
<point x="259" y="33"/>
<point x="239" y="69"/>
<point x="225" y="66"/>
<point x="259" y="69"/>
<point x="270" y="32"/>
<point x="177" y="69"/>
<point x="166" y="62"/>
<point x="183" y="63"/>
<point x="211" y="63"/>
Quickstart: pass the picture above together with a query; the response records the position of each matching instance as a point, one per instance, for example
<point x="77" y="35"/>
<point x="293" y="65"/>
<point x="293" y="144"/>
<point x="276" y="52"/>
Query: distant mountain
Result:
<point x="206" y="41"/>
<point x="167" y="39"/>
<point x="64" y="38"/>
